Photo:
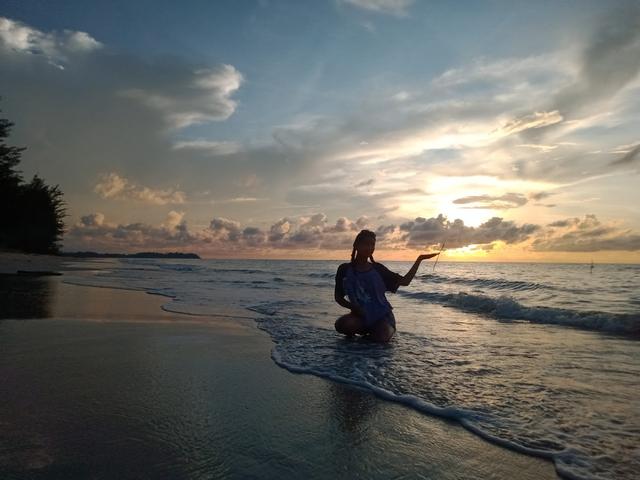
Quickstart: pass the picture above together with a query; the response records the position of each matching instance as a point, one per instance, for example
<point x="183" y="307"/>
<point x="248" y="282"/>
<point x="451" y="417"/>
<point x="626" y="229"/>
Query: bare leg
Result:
<point x="350" y="325"/>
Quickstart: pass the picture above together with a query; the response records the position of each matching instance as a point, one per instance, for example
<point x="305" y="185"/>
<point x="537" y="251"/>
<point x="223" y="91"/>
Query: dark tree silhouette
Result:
<point x="9" y="158"/>
<point x="31" y="214"/>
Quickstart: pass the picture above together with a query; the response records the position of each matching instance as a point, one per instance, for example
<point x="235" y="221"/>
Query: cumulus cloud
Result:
<point x="19" y="38"/>
<point x="203" y="96"/>
<point x="392" y="7"/>
<point x="93" y="231"/>
<point x="114" y="186"/>
<point x="433" y="231"/>
<point x="586" y="234"/>
<point x="224" y="236"/>
<point x="317" y="232"/>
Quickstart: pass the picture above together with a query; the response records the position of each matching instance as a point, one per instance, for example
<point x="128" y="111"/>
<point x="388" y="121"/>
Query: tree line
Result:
<point x="31" y="213"/>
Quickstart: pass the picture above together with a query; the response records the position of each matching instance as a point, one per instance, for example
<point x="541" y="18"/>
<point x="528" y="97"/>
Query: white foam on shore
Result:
<point x="463" y="417"/>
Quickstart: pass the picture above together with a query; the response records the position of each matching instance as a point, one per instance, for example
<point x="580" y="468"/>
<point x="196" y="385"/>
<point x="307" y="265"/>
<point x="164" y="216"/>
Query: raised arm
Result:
<point x="406" y="280"/>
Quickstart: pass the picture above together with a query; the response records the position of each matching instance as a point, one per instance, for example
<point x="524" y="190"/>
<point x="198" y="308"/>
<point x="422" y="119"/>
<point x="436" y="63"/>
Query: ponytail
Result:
<point x="361" y="235"/>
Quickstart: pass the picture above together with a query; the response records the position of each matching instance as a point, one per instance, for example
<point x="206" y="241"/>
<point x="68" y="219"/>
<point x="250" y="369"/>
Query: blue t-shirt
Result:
<point x="367" y="289"/>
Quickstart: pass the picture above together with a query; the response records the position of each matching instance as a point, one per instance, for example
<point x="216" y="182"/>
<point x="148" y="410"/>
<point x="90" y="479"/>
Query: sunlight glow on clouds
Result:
<point x="424" y="152"/>
<point x="315" y="232"/>
<point x="114" y="186"/>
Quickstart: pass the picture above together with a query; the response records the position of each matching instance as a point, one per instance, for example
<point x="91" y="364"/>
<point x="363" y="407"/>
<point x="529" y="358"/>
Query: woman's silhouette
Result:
<point x="365" y="284"/>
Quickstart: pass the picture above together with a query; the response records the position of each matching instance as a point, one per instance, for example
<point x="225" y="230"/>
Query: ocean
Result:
<point x="540" y="358"/>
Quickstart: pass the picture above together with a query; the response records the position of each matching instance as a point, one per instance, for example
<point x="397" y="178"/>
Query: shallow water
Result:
<point x="101" y="384"/>
<point x="544" y="359"/>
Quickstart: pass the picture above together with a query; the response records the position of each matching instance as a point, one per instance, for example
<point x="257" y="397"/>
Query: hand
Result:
<point x="427" y="256"/>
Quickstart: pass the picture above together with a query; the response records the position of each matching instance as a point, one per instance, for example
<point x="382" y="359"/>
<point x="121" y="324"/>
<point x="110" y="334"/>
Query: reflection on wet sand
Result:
<point x="26" y="297"/>
<point x="352" y="408"/>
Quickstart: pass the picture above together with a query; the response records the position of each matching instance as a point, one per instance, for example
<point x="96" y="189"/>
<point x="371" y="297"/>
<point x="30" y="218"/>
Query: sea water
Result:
<point x="540" y="358"/>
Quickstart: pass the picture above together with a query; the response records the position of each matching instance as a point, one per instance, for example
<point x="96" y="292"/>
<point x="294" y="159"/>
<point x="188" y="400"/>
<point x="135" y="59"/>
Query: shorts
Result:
<point x="387" y="318"/>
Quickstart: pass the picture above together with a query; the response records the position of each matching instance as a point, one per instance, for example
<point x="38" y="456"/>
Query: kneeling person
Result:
<point x="365" y="284"/>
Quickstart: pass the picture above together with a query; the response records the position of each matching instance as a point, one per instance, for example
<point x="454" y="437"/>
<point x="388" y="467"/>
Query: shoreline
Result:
<point x="452" y="447"/>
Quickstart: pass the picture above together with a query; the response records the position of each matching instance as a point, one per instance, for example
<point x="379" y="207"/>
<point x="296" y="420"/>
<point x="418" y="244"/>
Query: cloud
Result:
<point x="502" y="202"/>
<point x="79" y="122"/>
<point x="114" y="186"/>
<point x="542" y="148"/>
<point x="532" y="121"/>
<point x="316" y="232"/>
<point x="587" y="234"/>
<point x="94" y="232"/>
<point x="576" y="93"/>
<point x="466" y="122"/>
<point x="607" y="65"/>
<point x="222" y="235"/>
<point x="18" y="38"/>
<point x="444" y="118"/>
<point x="335" y="195"/>
<point x="225" y="229"/>
<point x="239" y="200"/>
<point x="391" y="7"/>
<point x="202" y="96"/>
<point x="423" y="232"/>
<point x="609" y="62"/>
<point x="629" y="157"/>
<point x="365" y="183"/>
<point x="208" y="147"/>
<point x="540" y="195"/>
<point x="505" y="72"/>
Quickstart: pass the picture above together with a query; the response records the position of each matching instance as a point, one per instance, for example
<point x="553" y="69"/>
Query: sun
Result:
<point x="442" y="203"/>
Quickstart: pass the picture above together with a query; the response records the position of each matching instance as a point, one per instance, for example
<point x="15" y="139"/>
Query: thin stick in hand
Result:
<point x="436" y="262"/>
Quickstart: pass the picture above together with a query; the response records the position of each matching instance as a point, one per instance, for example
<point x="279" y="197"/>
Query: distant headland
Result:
<point x="129" y="255"/>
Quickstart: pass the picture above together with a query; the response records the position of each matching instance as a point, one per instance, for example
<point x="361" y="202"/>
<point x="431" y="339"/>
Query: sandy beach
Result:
<point x="102" y="383"/>
<point x="11" y="262"/>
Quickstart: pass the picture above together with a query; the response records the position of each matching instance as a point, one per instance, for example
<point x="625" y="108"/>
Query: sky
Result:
<point x="508" y="130"/>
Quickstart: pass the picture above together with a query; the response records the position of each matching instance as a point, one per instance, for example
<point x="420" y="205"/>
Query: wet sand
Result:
<point x="11" y="262"/>
<point x="102" y="383"/>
